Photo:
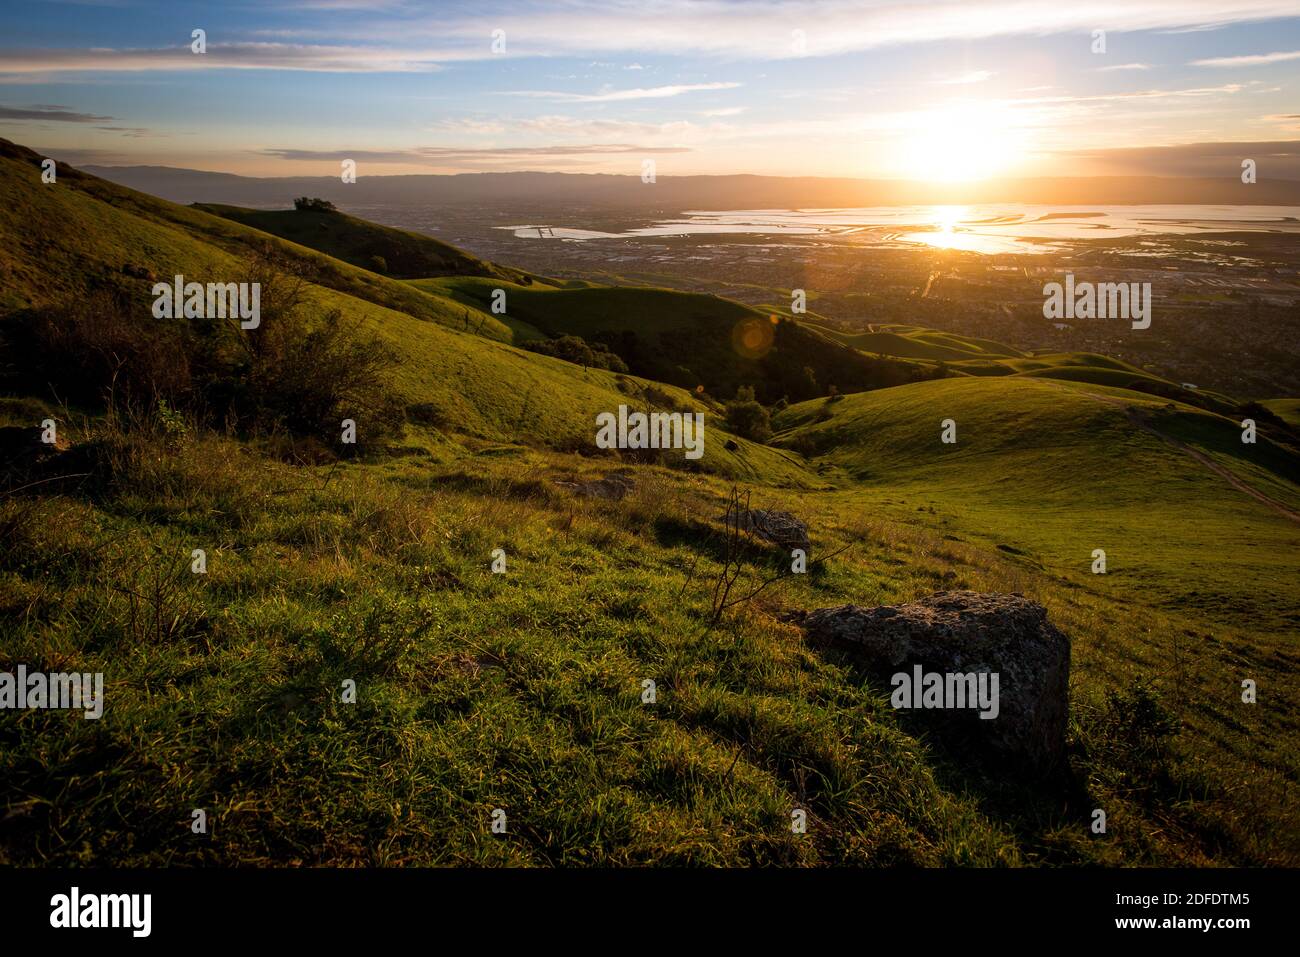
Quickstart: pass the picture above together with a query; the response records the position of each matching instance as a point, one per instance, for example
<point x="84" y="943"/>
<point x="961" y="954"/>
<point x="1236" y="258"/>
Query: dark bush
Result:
<point x="578" y="351"/>
<point x="747" y="418"/>
<point x="101" y="346"/>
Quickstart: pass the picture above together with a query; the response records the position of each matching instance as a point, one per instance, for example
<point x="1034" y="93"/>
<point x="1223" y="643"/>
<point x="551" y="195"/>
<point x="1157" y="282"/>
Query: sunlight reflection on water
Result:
<point x="984" y="229"/>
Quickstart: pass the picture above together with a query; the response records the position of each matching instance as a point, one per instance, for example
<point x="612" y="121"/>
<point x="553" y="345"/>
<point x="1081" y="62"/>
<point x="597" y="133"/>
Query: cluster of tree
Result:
<point x="747" y="417"/>
<point x="577" y="350"/>
<point x="312" y="203"/>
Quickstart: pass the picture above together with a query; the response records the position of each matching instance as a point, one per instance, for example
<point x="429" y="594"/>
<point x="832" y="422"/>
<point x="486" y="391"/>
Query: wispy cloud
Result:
<point x="390" y="37"/>
<point x="761" y="29"/>
<point x="47" y="112"/>
<point x="228" y="56"/>
<point x="134" y="132"/>
<point x="1118" y="67"/>
<point x="615" y="96"/>
<point x="1258" y="59"/>
<point x="448" y="154"/>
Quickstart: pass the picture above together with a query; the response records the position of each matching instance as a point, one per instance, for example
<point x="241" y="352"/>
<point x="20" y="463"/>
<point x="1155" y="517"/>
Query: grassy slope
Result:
<point x="1201" y="577"/>
<point x="912" y="342"/>
<point x="521" y="691"/>
<point x="1286" y="409"/>
<point x="1058" y="469"/>
<point x="966" y="355"/>
<point x="61" y="236"/>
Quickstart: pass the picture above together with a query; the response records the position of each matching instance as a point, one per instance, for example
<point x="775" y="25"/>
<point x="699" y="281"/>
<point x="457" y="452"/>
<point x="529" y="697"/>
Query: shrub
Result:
<point x="311" y="203"/>
<point x="747" y="418"/>
<point x="306" y="376"/>
<point x="98" y="347"/>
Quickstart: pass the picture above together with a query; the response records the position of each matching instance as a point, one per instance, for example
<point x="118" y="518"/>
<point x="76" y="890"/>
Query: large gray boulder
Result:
<point x="780" y="528"/>
<point x="967" y="633"/>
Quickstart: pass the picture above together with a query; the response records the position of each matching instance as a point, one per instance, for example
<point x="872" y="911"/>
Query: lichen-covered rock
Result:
<point x="960" y="632"/>
<point x="780" y="528"/>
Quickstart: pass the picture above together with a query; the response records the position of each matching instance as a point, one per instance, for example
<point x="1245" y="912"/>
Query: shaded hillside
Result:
<point x="691" y="340"/>
<point x="392" y="252"/>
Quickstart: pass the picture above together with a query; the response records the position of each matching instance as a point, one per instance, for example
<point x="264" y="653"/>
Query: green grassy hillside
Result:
<point x="80" y="232"/>
<point x="1055" y="469"/>
<point x="913" y="342"/>
<point x="522" y="690"/>
<point x="66" y="239"/>
<point x="1286" y="409"/>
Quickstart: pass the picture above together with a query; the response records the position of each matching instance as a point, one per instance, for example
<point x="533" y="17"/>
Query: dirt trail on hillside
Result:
<point x="1137" y="418"/>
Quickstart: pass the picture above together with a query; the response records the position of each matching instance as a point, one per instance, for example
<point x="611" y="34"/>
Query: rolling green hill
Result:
<point x="521" y="689"/>
<point x="68" y="238"/>
<point x="1056" y="469"/>
<point x="964" y="355"/>
<point x="1286" y="409"/>
<point x="914" y="342"/>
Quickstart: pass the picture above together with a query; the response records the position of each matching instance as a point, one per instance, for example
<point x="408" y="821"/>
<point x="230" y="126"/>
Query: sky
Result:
<point x="942" y="91"/>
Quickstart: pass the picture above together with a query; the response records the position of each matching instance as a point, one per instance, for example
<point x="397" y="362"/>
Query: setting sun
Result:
<point x="962" y="142"/>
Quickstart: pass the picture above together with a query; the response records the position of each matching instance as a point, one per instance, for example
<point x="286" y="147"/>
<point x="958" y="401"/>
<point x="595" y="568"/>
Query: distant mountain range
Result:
<point x="689" y="192"/>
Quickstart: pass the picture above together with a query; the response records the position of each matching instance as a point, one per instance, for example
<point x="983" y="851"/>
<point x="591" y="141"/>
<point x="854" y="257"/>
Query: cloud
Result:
<point x="1123" y="66"/>
<point x="573" y="126"/>
<point x="1228" y="88"/>
<point x="614" y="96"/>
<point x="761" y="29"/>
<point x="974" y="76"/>
<point x="447" y="155"/>
<point x="46" y="111"/>
<point x="1219" y="160"/>
<point x="470" y="125"/>
<point x="1259" y="59"/>
<point x="227" y="56"/>
<point x="388" y="38"/>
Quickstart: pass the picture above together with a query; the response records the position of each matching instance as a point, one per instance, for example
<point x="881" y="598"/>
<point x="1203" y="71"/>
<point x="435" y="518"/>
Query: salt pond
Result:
<point x="985" y="229"/>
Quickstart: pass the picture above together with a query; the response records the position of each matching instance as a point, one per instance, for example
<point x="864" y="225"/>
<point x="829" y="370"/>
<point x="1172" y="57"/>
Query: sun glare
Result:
<point x="964" y="142"/>
<point x="947" y="217"/>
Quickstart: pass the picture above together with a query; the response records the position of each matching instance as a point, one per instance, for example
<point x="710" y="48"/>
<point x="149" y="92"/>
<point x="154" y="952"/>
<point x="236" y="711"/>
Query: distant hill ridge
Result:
<point x="497" y="190"/>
